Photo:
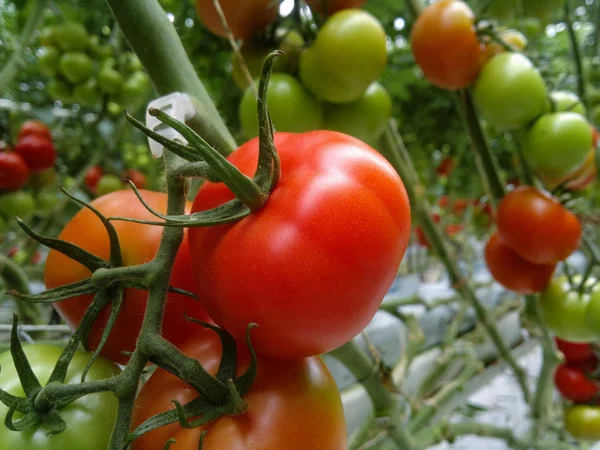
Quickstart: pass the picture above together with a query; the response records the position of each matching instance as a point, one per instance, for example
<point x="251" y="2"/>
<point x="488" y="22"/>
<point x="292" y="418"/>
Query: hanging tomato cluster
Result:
<point x="86" y="71"/>
<point x="29" y="164"/>
<point x="323" y="81"/>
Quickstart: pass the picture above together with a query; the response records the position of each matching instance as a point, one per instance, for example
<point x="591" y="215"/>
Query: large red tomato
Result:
<point x="312" y="266"/>
<point x="445" y="45"/>
<point x="292" y="405"/>
<point x="244" y="18"/>
<point x="13" y="171"/>
<point x="537" y="226"/>
<point x="512" y="271"/>
<point x="139" y="244"/>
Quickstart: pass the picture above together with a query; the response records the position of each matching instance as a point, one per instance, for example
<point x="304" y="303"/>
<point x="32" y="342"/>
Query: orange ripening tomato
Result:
<point x="514" y="272"/>
<point x="292" y="405"/>
<point x="445" y="45"/>
<point x="244" y="18"/>
<point x="139" y="244"/>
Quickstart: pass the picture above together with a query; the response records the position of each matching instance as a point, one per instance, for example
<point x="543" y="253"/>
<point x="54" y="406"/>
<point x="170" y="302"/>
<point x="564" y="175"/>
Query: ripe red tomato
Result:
<point x="138" y="245"/>
<point x="137" y="177"/>
<point x="334" y="5"/>
<point x="512" y="271"/>
<point x="35" y="127"/>
<point x="312" y="266"/>
<point x="575" y="352"/>
<point x="445" y="45"/>
<point x="37" y="151"/>
<point x="13" y="171"/>
<point x="454" y="228"/>
<point x="537" y="226"/>
<point x="446" y="166"/>
<point x="92" y="176"/>
<point x="243" y="18"/>
<point x="459" y="206"/>
<point x="572" y="381"/>
<point x="292" y="405"/>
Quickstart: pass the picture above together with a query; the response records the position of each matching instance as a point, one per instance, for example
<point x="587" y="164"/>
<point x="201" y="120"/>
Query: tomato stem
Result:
<point x="581" y="84"/>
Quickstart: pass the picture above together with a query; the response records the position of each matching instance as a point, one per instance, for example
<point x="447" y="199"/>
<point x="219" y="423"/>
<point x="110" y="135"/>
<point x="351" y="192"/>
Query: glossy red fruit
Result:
<point x="37" y="151"/>
<point x="34" y="127"/>
<point x="92" y="176"/>
<point x="575" y="352"/>
<point x="13" y="171"/>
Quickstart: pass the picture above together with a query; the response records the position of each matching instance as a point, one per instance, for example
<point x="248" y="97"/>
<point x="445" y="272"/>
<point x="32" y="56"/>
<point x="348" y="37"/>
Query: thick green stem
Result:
<point x="421" y="210"/>
<point x="581" y="85"/>
<point x="15" y="278"/>
<point x="12" y="67"/>
<point x="158" y="46"/>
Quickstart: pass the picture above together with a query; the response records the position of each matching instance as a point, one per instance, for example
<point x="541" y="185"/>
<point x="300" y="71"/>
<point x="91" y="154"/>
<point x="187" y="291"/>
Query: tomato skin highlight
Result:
<point x="512" y="271"/>
<point x="327" y="244"/>
<point x="445" y="45"/>
<point x="575" y="352"/>
<point x="537" y="227"/>
<point x="573" y="384"/>
<point x="139" y="244"/>
<point x="14" y="172"/>
<point x="37" y="151"/>
<point x="292" y="405"/>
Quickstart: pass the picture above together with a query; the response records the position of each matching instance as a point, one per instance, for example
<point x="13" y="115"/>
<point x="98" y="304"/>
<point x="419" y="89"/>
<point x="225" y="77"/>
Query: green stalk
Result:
<point x="581" y="84"/>
<point x="12" y="67"/>
<point x="451" y="431"/>
<point x="15" y="278"/>
<point x="158" y="46"/>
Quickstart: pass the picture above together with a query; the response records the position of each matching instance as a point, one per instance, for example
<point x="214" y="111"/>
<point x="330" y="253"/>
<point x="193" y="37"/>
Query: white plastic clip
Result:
<point x="179" y="106"/>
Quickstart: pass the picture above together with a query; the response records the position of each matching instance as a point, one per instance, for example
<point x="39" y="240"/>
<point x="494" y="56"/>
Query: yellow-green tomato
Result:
<point x="60" y="90"/>
<point x="567" y="101"/>
<point x="364" y="118"/>
<point x="89" y="419"/>
<point x="76" y="67"/>
<point x="48" y="61"/>
<point x="88" y="93"/>
<point x="18" y="203"/>
<point x="135" y="89"/>
<point x="348" y="55"/>
<point x="48" y="35"/>
<point x="109" y="80"/>
<point x="291" y="106"/>
<point x="510" y="92"/>
<point x="557" y="144"/>
<point x="72" y="36"/>
<point x="583" y="422"/>
<point x="109" y="183"/>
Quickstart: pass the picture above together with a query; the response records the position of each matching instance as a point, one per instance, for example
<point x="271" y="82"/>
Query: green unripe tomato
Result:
<point x="114" y="109"/>
<point x="102" y="51"/>
<point x="68" y="182"/>
<point x="364" y="118"/>
<point x="48" y="35"/>
<point x="72" y="36"/>
<point x="291" y="106"/>
<point x="567" y="101"/>
<point x="47" y="199"/>
<point x="77" y="67"/>
<point x="38" y="180"/>
<point x="510" y="92"/>
<point x="48" y="61"/>
<point x="348" y="54"/>
<point x="87" y="94"/>
<point x="60" y="90"/>
<point x="135" y="89"/>
<point x="557" y="144"/>
<point x="109" y="80"/>
<point x="18" y="203"/>
<point x="109" y="183"/>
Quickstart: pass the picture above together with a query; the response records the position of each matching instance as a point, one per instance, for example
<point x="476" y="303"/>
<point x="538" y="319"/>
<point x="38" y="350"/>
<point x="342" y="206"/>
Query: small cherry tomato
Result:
<point x="583" y="422"/>
<point x="575" y="352"/>
<point x="13" y="171"/>
<point x="137" y="177"/>
<point x="36" y="127"/>
<point x="573" y="382"/>
<point x="92" y="176"/>
<point x="38" y="152"/>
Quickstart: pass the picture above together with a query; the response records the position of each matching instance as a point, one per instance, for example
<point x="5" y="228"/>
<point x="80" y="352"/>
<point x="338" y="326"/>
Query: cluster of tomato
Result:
<point x="29" y="164"/>
<point x="326" y="84"/>
<point x="98" y="182"/>
<point x="85" y="71"/>
<point x="577" y="380"/>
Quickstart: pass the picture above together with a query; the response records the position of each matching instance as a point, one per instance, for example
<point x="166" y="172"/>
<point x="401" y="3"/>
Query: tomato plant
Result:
<point x="557" y="143"/>
<point x="348" y="55"/>
<point x="339" y="202"/>
<point x="566" y="310"/>
<point x="512" y="271"/>
<point x="291" y="106"/>
<point x="574" y="383"/>
<point x="445" y="44"/>
<point x="510" y="92"/>
<point x="243" y="18"/>
<point x="36" y="127"/>
<point x="583" y="422"/>
<point x="536" y="226"/>
<point x="292" y="404"/>
<point x="37" y="151"/>
<point x="13" y="171"/>
<point x="365" y="118"/>
<point x="138" y="245"/>
<point x="89" y="419"/>
<point x="575" y="352"/>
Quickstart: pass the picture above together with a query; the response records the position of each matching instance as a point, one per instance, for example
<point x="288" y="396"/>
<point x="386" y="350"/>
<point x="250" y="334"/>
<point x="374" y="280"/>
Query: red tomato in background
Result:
<point x="139" y="244"/>
<point x="34" y="127"/>
<point x="312" y="266"/>
<point x="334" y="5"/>
<point x="92" y="176"/>
<point x="37" y="151"/>
<point x="446" y="166"/>
<point x="137" y="177"/>
<point x="572" y="382"/>
<point x="13" y="171"/>
<point x="512" y="271"/>
<point x="244" y="18"/>
<point x="292" y="405"/>
<point x="537" y="226"/>
<point x="575" y="352"/>
<point x="445" y="44"/>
